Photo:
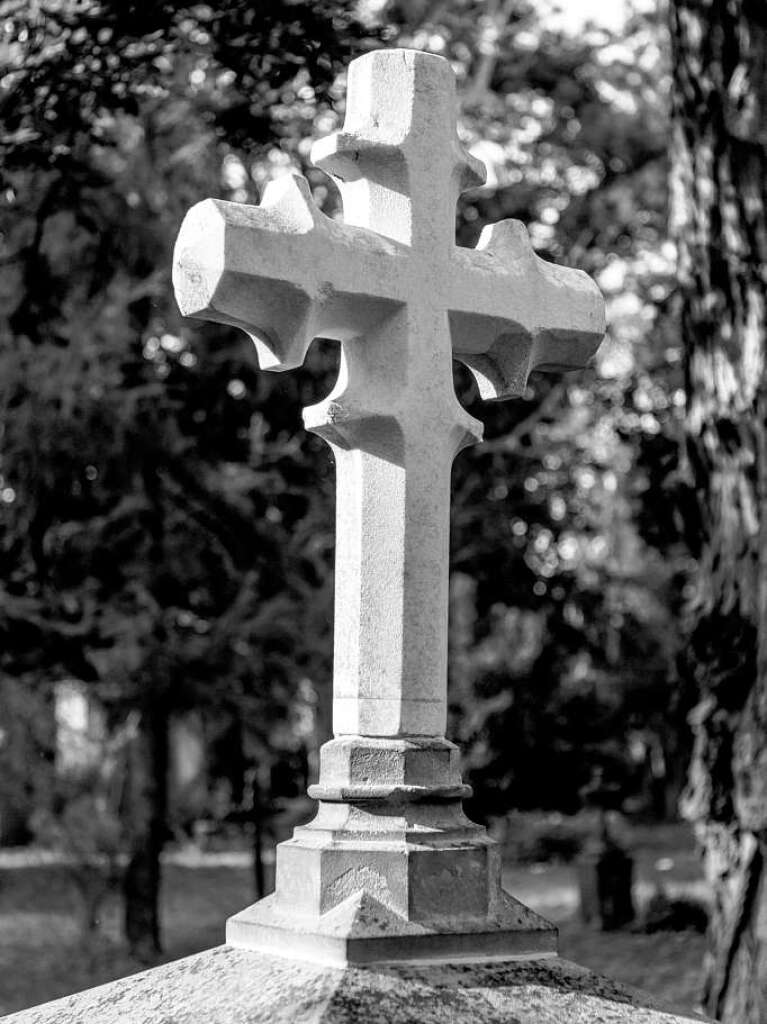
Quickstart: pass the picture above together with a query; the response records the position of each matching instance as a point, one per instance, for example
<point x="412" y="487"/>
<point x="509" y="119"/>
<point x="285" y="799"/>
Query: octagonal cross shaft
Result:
<point x="393" y="288"/>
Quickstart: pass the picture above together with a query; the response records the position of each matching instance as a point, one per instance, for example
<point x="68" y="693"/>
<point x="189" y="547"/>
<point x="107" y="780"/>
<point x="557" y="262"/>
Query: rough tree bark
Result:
<point x="719" y="204"/>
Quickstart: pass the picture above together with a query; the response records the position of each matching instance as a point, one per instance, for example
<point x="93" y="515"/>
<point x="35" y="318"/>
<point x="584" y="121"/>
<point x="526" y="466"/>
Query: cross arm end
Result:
<point x="198" y="259"/>
<point x="245" y="266"/>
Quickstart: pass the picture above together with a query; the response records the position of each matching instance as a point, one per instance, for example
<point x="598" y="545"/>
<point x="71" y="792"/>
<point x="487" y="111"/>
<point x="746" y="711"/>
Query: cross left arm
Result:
<point x="285" y="273"/>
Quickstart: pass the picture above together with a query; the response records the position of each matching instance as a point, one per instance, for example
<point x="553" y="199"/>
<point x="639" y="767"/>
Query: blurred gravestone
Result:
<point x="605" y="867"/>
<point x="187" y="768"/>
<point x="81" y="730"/>
<point x="388" y="906"/>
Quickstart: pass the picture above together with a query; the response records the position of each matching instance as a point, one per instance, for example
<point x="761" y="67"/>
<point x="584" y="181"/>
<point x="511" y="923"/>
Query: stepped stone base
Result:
<point x="234" y="986"/>
<point x="391" y="871"/>
<point x="363" y="931"/>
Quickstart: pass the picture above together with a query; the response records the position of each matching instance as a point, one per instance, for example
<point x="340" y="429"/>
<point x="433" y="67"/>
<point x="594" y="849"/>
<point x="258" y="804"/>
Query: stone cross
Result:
<point x="403" y="300"/>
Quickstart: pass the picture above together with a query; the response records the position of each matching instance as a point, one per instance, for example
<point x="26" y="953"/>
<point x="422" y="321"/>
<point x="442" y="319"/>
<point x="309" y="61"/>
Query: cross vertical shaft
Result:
<point x="399" y="167"/>
<point x="397" y="161"/>
<point x="394" y="445"/>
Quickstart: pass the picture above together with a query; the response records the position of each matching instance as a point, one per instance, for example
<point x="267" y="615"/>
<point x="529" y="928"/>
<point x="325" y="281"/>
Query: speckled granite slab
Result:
<point x="231" y="986"/>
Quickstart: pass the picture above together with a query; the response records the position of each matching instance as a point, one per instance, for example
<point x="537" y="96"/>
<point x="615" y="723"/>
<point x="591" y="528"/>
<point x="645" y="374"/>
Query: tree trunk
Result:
<point x="259" y="877"/>
<point x="719" y="182"/>
<point x="145" y="815"/>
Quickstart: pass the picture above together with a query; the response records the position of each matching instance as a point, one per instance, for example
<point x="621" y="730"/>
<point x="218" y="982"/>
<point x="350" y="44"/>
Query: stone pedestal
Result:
<point x="390" y="870"/>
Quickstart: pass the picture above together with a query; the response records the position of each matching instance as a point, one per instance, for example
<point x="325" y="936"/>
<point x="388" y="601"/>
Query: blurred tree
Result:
<point x="720" y="223"/>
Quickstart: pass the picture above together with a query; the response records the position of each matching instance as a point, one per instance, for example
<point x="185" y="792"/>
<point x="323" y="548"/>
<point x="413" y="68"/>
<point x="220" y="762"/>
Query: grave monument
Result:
<point x="388" y="906"/>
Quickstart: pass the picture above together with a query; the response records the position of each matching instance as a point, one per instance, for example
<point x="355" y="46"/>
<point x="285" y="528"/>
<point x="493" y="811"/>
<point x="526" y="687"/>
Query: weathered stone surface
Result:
<point x="230" y="986"/>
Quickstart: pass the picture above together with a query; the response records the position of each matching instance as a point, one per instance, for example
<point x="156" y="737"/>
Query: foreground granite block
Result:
<point x="232" y="986"/>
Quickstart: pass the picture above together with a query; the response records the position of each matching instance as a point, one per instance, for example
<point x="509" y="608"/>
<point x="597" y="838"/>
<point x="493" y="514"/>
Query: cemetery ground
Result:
<point x="44" y="957"/>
